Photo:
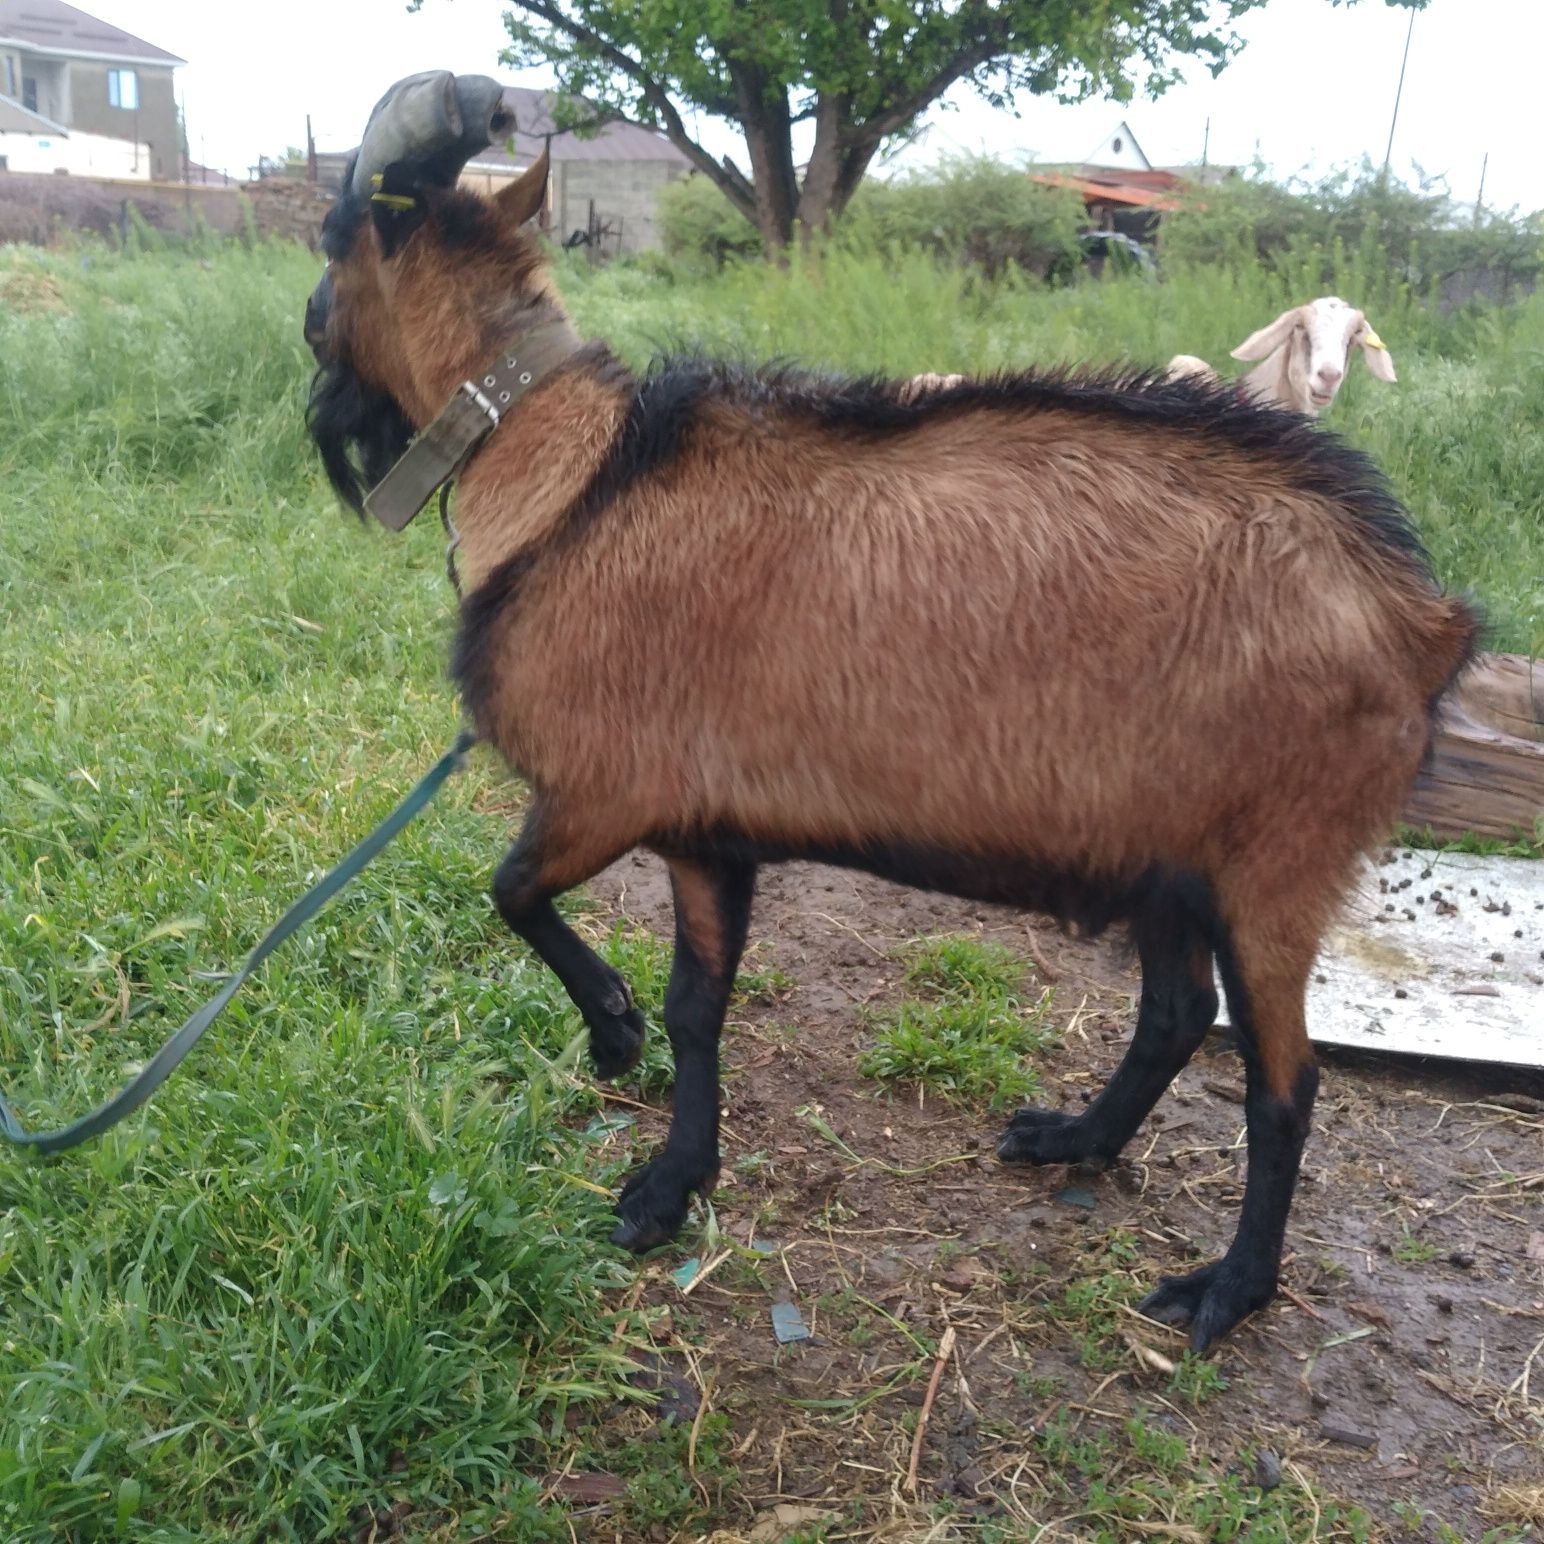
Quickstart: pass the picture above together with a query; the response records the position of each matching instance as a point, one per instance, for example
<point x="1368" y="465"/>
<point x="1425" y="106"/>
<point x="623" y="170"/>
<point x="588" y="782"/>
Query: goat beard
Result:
<point x="360" y="431"/>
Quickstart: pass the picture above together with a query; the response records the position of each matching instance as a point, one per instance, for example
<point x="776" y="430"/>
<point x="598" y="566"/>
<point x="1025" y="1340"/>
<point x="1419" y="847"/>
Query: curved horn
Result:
<point x="436" y="121"/>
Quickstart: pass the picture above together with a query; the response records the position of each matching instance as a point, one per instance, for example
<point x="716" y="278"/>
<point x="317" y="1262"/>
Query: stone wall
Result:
<point x="624" y="191"/>
<point x="40" y="209"/>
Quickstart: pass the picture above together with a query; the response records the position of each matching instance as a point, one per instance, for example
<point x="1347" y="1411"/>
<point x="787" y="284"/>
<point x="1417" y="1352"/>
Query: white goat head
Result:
<point x="1306" y="351"/>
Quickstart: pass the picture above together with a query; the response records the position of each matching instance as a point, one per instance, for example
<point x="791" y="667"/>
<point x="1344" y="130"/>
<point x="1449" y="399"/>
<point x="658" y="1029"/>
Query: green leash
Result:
<point x="161" y="1066"/>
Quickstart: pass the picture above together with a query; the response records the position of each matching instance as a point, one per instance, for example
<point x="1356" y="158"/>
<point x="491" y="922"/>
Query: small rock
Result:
<point x="1461" y="1258"/>
<point x="1499" y="957"/>
<point x="1351" y="1436"/>
<point x="1399" y="991"/>
<point x="1320" y="1401"/>
<point x="788" y="1324"/>
<point x="593" y="1489"/>
<point x="1267" y="1470"/>
<point x="969" y="1482"/>
<point x="1077" y="1195"/>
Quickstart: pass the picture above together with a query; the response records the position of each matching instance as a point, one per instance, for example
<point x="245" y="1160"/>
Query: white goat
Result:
<point x="1303" y="355"/>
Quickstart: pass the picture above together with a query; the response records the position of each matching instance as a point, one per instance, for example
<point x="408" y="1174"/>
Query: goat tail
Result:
<point x="1451" y="646"/>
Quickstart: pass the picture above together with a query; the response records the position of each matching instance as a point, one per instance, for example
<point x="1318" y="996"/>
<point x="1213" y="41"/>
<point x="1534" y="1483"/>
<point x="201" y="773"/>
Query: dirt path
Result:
<point x="1404" y="1370"/>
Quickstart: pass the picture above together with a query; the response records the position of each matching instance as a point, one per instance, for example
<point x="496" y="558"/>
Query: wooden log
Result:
<point x="1486" y="776"/>
<point x="1505" y="692"/>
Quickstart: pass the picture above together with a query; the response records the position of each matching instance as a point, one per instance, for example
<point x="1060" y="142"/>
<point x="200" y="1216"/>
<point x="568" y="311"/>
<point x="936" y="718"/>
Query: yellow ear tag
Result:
<point x="1372" y="340"/>
<point x="402" y="201"/>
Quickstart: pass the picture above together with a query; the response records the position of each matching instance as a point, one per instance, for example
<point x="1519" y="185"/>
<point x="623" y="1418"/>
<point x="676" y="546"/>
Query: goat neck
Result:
<point x="514" y="491"/>
<point x="1270" y="383"/>
<point x="515" y="488"/>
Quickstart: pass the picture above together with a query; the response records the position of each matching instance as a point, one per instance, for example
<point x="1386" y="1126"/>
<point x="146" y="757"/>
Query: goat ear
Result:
<point x="1268" y="339"/>
<point x="397" y="207"/>
<point x="527" y="194"/>
<point x="1376" y="352"/>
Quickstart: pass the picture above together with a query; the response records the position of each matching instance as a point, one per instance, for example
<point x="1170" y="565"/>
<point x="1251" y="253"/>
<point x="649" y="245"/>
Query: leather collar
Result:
<point x="439" y="451"/>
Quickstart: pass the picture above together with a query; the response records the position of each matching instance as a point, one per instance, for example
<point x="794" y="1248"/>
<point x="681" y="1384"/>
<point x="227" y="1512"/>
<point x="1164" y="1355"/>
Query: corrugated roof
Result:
<point x="52" y="26"/>
<point x="617" y="141"/>
<point x="16" y="119"/>
<point x="1102" y="191"/>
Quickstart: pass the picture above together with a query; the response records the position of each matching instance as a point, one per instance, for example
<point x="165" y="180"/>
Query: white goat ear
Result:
<point x="1376" y="352"/>
<point x="1258" y="344"/>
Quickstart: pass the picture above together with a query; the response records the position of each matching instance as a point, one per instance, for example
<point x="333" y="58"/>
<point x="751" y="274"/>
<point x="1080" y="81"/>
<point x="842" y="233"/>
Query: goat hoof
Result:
<point x="652" y="1206"/>
<point x="1211" y="1301"/>
<point x="616" y="1043"/>
<point x="1045" y="1136"/>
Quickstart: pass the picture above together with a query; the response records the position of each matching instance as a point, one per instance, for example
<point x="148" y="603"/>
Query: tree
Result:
<point x="860" y="71"/>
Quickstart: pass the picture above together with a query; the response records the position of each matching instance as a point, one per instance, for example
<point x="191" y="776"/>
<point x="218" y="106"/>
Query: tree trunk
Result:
<point x="768" y="127"/>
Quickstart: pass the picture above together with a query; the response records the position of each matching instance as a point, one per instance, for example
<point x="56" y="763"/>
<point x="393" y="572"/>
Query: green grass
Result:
<point x="354" y="1255"/>
<point x="971" y="1041"/>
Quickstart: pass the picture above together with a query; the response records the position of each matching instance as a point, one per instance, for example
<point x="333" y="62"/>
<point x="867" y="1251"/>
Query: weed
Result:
<point x="970" y="1044"/>
<point x="1411" y="1250"/>
<point x="1196" y="1380"/>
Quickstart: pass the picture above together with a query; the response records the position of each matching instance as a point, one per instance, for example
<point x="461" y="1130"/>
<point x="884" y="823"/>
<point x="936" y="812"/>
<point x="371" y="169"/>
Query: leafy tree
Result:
<point x="860" y="71"/>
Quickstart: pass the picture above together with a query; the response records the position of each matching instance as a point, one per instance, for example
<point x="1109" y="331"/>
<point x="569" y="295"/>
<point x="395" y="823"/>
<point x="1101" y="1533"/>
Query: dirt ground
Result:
<point x="1401" y="1369"/>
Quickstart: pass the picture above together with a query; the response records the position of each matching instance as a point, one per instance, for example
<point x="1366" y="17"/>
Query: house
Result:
<point x="1122" y="190"/>
<point x="603" y="186"/>
<point x="66" y="76"/>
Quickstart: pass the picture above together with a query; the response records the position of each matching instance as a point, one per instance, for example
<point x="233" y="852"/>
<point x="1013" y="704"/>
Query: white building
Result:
<point x="29" y="142"/>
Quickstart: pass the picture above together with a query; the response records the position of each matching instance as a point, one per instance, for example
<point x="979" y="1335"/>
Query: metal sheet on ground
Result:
<point x="1438" y="954"/>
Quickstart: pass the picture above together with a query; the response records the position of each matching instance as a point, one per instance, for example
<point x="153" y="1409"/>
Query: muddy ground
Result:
<point x="1402" y="1369"/>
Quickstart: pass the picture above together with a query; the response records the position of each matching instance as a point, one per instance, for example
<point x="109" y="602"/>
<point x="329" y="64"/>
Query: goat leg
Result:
<point x="712" y="908"/>
<point x="1178" y="1006"/>
<point x="523" y="888"/>
<point x="1266" y="981"/>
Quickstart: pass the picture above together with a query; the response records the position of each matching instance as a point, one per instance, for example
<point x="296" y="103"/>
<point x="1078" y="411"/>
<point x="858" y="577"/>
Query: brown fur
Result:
<point x="1088" y="647"/>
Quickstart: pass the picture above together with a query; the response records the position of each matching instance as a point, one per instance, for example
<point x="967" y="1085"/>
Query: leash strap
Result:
<point x="161" y="1066"/>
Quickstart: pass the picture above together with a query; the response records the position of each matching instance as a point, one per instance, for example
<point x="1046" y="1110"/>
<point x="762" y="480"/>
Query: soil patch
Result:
<point x="1403" y="1369"/>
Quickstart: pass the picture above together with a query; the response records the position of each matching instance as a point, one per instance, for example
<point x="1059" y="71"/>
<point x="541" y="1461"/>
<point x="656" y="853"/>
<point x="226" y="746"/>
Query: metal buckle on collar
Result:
<point x="475" y="392"/>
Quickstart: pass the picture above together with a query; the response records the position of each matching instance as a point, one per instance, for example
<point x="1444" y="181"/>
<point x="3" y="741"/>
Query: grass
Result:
<point x="972" y="1041"/>
<point x="353" y="1257"/>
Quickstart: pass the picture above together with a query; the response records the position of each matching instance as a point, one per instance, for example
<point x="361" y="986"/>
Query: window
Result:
<point x="29" y="93"/>
<point x="123" y="89"/>
<point x="10" y="76"/>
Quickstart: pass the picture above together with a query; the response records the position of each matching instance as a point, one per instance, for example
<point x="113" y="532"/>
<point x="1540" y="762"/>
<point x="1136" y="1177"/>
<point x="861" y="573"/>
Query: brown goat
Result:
<point x="1112" y="648"/>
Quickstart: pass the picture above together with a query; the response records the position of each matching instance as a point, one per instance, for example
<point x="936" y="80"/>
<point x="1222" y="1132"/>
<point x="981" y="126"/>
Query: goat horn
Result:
<point x="437" y="121"/>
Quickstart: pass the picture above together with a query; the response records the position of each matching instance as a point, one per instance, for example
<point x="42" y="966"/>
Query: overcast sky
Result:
<point x="1314" y="89"/>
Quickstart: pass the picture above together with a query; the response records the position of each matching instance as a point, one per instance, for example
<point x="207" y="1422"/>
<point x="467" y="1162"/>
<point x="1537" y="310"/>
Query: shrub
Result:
<point x="697" y="223"/>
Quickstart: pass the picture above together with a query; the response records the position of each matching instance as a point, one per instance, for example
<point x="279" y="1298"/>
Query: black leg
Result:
<point x="523" y="891"/>
<point x="713" y="906"/>
<point x="1265" y="985"/>
<point x="1178" y="1006"/>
